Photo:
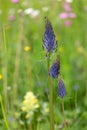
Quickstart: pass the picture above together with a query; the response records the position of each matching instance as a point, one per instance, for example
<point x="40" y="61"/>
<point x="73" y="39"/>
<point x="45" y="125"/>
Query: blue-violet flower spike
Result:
<point x="55" y="69"/>
<point x="49" y="42"/>
<point x="61" y="89"/>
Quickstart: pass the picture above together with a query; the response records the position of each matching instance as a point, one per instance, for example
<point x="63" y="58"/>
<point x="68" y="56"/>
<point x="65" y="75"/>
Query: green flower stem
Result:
<point x="4" y="114"/>
<point x="64" y="114"/>
<point x="50" y="97"/>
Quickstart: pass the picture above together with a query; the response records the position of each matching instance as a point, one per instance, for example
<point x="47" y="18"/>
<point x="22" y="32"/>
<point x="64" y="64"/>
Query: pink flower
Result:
<point x="11" y="18"/>
<point x="67" y="7"/>
<point x="63" y="15"/>
<point x="72" y="15"/>
<point x="15" y="1"/>
<point x="68" y="23"/>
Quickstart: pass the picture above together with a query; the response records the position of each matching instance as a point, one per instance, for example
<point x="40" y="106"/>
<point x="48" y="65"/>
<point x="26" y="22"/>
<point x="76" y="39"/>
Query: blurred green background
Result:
<point x="23" y="63"/>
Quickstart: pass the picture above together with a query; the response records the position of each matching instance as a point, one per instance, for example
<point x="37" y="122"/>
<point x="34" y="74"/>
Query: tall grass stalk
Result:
<point x="64" y="114"/>
<point x="4" y="68"/>
<point x="17" y="58"/>
<point x="50" y="97"/>
<point x="4" y="113"/>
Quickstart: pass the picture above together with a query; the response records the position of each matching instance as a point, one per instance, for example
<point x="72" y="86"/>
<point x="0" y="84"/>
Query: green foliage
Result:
<point x="23" y="70"/>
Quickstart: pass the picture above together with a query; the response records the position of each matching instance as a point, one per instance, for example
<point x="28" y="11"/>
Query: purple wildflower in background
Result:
<point x="55" y="69"/>
<point x="49" y="42"/>
<point x="61" y="89"/>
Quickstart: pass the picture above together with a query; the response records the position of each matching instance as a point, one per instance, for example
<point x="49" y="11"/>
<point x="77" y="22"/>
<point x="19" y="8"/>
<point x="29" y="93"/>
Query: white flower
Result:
<point x="28" y="10"/>
<point x="34" y="13"/>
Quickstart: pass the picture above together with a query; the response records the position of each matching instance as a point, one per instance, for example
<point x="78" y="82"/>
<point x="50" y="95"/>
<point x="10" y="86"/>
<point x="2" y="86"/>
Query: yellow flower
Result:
<point x="1" y="76"/>
<point x="80" y="49"/>
<point x="30" y="102"/>
<point x="27" y="48"/>
<point x="60" y="49"/>
<point x="29" y="96"/>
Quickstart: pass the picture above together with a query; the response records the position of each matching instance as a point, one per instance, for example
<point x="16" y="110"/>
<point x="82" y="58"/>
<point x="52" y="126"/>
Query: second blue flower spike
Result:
<point x="55" y="69"/>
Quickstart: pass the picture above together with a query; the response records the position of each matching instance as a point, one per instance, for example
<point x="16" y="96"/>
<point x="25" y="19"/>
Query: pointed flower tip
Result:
<point x="55" y="69"/>
<point x="61" y="89"/>
<point x="49" y="42"/>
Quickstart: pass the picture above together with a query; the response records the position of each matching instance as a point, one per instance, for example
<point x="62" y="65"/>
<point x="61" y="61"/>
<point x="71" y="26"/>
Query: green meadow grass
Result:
<point x="22" y="71"/>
